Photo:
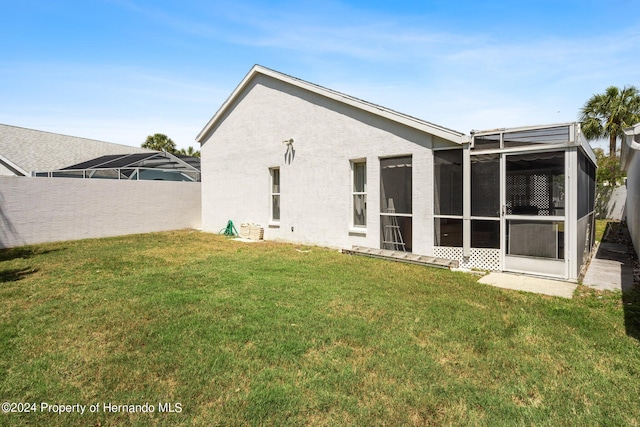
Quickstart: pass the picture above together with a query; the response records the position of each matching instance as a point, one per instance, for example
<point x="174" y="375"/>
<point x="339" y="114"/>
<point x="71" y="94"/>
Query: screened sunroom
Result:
<point x="519" y="199"/>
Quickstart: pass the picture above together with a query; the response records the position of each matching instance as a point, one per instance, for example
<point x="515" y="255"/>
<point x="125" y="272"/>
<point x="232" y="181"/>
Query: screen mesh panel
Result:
<point x="486" y="142"/>
<point x="485" y="185"/>
<point x="535" y="184"/>
<point x="448" y="182"/>
<point x="586" y="185"/>
<point x="554" y="135"/>
<point x="395" y="185"/>
<point x="448" y="232"/>
<point x="485" y="234"/>
<point x="535" y="239"/>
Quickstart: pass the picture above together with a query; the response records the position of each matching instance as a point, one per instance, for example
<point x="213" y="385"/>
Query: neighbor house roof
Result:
<point x="27" y="150"/>
<point x="433" y="129"/>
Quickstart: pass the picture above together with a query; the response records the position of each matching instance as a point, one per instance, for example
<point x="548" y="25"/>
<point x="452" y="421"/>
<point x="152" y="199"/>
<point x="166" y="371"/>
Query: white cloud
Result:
<point x="449" y="76"/>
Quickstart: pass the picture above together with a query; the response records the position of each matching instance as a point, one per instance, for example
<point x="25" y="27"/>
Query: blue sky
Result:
<point x="119" y="70"/>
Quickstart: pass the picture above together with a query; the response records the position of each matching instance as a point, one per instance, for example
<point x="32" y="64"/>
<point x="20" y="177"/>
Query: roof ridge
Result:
<point x="382" y="107"/>
<point x="70" y="136"/>
<point x="387" y="113"/>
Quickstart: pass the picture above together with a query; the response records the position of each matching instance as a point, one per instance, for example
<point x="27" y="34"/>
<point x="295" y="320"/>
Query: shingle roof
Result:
<point x="29" y="150"/>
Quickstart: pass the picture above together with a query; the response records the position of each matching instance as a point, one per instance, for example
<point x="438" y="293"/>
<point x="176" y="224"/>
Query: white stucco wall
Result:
<point x="37" y="210"/>
<point x="316" y="182"/>
<point x="633" y="198"/>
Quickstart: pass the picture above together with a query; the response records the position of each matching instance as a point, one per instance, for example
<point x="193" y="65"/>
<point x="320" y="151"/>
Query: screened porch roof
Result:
<point x="532" y="137"/>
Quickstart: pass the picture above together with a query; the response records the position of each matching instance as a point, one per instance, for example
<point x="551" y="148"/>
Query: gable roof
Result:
<point x="27" y="150"/>
<point x="433" y="129"/>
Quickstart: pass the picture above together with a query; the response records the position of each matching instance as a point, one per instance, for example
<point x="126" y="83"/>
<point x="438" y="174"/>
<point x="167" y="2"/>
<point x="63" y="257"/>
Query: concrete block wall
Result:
<point x="315" y="171"/>
<point x="38" y="210"/>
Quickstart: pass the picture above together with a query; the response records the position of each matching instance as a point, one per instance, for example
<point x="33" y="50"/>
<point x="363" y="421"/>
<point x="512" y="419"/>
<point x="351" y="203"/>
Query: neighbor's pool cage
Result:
<point x="160" y="166"/>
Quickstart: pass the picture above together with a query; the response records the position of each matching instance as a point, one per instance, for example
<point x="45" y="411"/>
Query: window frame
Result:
<point x="274" y="194"/>
<point x="355" y="193"/>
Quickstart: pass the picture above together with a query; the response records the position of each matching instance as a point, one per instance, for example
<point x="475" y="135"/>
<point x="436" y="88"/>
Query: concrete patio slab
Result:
<point x="536" y="285"/>
<point x="611" y="268"/>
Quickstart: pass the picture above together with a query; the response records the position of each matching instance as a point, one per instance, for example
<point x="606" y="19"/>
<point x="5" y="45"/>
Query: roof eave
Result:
<point x="225" y="105"/>
<point x="629" y="144"/>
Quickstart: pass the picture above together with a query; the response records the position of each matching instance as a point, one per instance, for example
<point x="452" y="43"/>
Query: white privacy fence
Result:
<point x="38" y="210"/>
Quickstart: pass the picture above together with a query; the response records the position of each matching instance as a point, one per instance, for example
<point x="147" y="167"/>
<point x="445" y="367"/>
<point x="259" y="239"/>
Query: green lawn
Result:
<point x="601" y="226"/>
<point x="274" y="334"/>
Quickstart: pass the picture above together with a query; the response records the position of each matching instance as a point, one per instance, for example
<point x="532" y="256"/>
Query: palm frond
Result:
<point x="609" y="113"/>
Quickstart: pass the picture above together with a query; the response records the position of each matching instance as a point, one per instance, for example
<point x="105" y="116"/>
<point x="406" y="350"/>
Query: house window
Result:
<point x="359" y="169"/>
<point x="275" y="194"/>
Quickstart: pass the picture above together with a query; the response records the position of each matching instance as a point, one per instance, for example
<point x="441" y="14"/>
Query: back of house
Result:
<point x="316" y="166"/>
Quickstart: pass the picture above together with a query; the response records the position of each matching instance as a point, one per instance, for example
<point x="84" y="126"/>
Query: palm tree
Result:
<point x="607" y="114"/>
<point x="189" y="152"/>
<point x="160" y="142"/>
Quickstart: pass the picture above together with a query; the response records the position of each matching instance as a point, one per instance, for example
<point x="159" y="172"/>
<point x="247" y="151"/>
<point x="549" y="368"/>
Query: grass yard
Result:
<point x="230" y="333"/>
<point x="601" y="226"/>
